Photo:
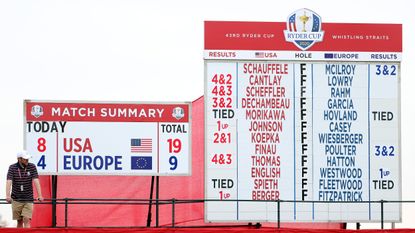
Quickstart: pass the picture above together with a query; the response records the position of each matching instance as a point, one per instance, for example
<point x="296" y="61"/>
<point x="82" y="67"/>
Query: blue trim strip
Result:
<point x="295" y="154"/>
<point x="312" y="129"/>
<point x="237" y="146"/>
<point x="368" y="135"/>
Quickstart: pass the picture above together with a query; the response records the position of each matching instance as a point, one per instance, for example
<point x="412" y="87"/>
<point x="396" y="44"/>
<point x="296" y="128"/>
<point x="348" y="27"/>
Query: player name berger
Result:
<point x="107" y="112"/>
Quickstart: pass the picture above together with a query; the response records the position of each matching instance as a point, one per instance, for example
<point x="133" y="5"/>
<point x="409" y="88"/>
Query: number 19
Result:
<point x="175" y="145"/>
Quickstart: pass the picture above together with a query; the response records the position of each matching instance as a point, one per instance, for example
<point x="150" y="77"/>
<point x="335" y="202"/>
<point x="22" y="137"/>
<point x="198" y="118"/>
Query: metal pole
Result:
<point x="279" y="212"/>
<point x="66" y="212"/>
<point x="150" y="202"/>
<point x="381" y="213"/>
<point x="173" y="201"/>
<point x="54" y="194"/>
<point x="157" y="201"/>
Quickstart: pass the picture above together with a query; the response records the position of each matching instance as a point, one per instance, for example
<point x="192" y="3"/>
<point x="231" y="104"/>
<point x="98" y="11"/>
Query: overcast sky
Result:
<point x="152" y="50"/>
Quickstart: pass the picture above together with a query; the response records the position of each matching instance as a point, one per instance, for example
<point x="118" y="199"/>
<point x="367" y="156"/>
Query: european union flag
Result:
<point x="141" y="163"/>
<point x="329" y="55"/>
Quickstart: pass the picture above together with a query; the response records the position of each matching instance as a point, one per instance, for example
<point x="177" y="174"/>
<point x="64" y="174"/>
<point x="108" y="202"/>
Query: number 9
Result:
<point x="173" y="162"/>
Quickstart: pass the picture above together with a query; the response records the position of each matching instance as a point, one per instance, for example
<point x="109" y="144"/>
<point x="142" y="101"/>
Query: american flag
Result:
<point x="291" y="22"/>
<point x="141" y="145"/>
<point x="259" y="54"/>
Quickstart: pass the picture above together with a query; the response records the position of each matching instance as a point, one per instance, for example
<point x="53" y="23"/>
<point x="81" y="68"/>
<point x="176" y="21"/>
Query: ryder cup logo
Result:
<point x="304" y="28"/>
<point x="178" y="113"/>
<point x="37" y="111"/>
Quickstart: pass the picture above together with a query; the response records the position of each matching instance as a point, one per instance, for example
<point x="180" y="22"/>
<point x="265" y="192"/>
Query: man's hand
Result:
<point x="40" y="199"/>
<point x="9" y="199"/>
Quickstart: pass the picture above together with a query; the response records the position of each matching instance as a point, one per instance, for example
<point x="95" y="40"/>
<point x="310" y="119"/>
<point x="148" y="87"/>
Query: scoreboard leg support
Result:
<point x="150" y="202"/>
<point x="54" y="194"/>
<point x="157" y="201"/>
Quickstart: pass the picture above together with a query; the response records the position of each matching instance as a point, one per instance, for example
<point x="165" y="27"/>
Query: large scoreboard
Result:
<point x="303" y="112"/>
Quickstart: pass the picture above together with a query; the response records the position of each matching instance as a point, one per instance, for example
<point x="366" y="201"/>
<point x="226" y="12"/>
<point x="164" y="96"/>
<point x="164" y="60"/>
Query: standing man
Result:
<point x="19" y="182"/>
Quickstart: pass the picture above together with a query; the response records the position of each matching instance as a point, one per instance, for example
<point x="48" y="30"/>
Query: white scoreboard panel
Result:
<point x="94" y="138"/>
<point x="318" y="130"/>
<point x="302" y="131"/>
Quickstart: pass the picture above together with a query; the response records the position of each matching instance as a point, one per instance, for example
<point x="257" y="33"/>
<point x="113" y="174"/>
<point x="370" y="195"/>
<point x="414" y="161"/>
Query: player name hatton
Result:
<point x="107" y="112"/>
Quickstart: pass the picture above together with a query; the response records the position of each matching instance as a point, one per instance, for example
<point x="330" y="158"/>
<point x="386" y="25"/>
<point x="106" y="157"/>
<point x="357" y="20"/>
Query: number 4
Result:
<point x="42" y="162"/>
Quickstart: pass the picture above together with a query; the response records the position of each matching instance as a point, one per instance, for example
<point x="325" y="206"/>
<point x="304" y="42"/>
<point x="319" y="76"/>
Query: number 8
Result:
<point x="41" y="144"/>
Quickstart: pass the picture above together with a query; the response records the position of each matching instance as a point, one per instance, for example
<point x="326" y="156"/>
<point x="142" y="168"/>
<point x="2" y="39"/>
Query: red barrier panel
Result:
<point x="198" y="230"/>
<point x="137" y="187"/>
